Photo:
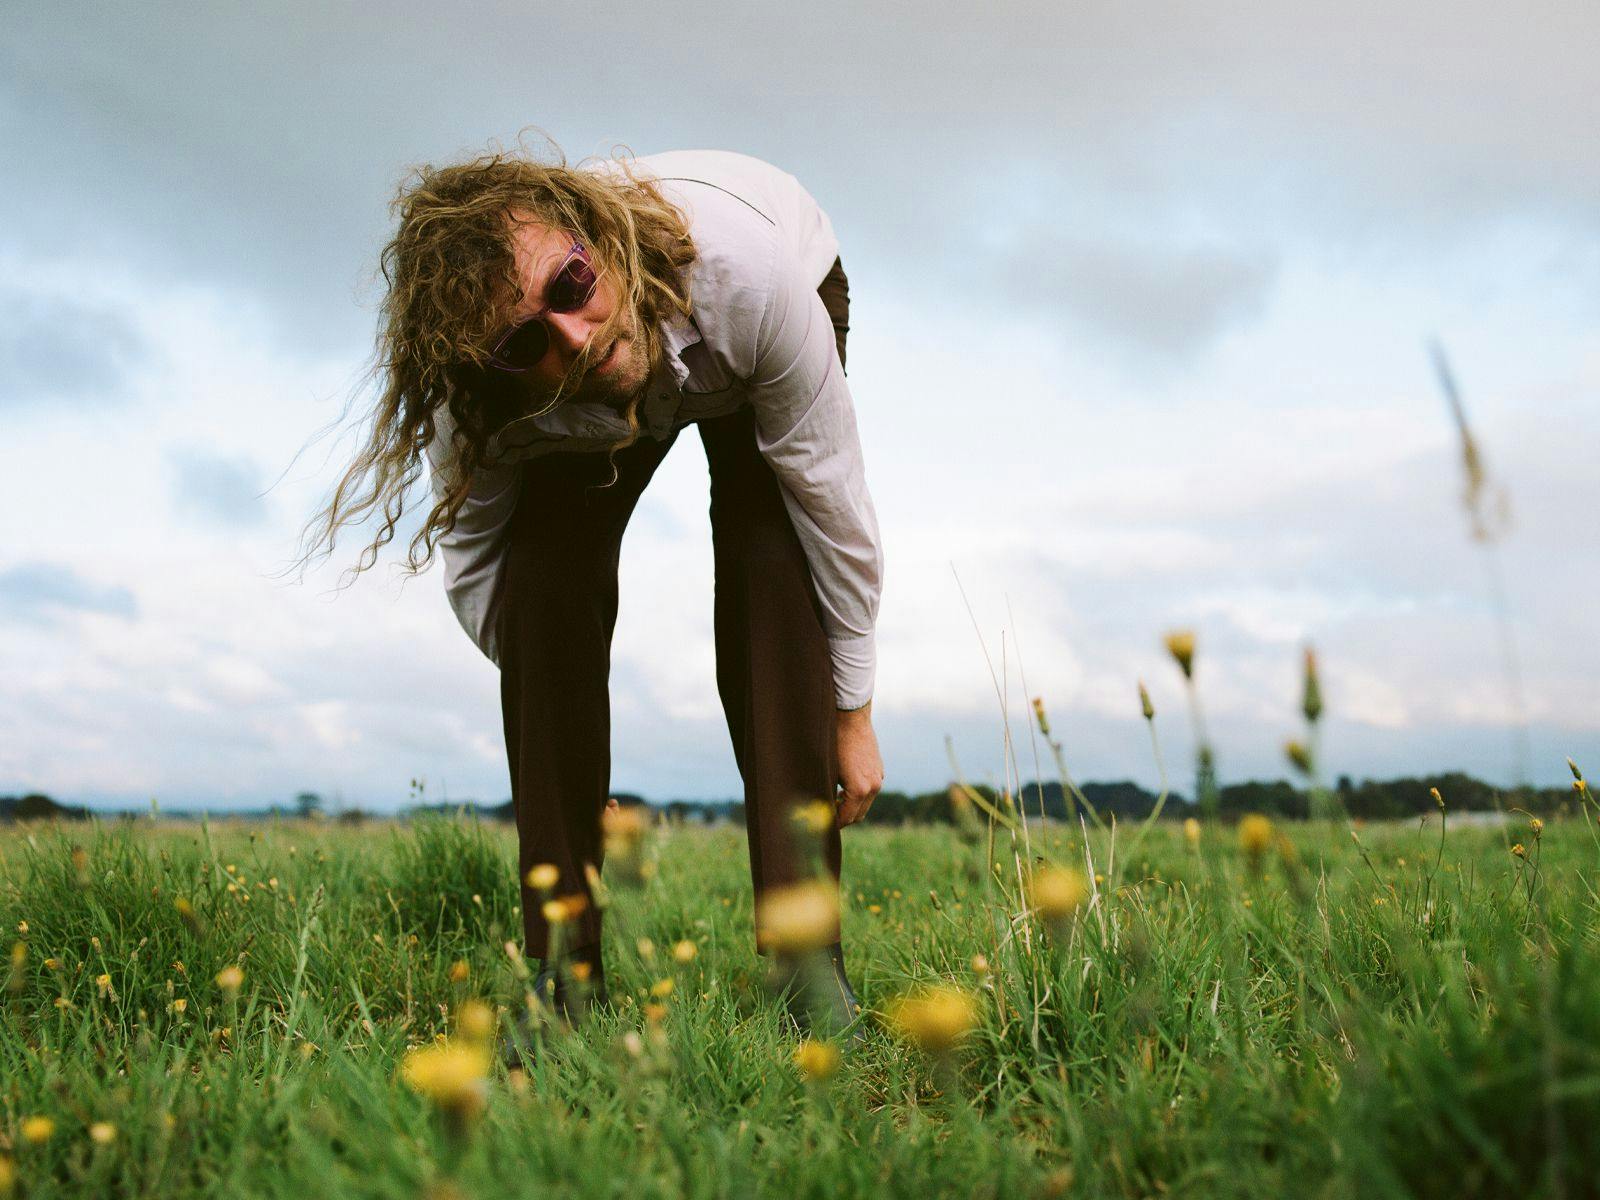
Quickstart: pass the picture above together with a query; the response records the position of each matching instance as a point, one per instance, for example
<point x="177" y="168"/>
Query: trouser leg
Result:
<point x="774" y="673"/>
<point x="558" y="611"/>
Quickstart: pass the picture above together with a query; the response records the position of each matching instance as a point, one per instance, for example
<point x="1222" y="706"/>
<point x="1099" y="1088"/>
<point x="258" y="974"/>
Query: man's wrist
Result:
<point x="864" y="710"/>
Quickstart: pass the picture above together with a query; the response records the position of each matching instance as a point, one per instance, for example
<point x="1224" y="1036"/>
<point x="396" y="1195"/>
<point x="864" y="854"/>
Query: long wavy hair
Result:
<point x="451" y="288"/>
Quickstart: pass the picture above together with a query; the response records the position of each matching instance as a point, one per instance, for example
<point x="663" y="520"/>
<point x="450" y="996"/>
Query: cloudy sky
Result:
<point x="1140" y="295"/>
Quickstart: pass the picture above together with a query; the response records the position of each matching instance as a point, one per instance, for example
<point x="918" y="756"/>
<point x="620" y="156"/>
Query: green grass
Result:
<point x="1413" y="1020"/>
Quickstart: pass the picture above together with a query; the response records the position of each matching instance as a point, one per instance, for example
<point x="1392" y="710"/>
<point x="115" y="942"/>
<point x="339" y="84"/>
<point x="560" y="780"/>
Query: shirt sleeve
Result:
<point x="474" y="551"/>
<point x="806" y="430"/>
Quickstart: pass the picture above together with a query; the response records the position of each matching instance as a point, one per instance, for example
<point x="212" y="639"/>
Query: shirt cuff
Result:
<point x="855" y="668"/>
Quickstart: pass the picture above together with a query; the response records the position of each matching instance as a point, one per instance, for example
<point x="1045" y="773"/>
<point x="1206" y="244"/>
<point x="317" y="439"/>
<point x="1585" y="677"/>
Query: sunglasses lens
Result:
<point x="525" y="346"/>
<point x="572" y="288"/>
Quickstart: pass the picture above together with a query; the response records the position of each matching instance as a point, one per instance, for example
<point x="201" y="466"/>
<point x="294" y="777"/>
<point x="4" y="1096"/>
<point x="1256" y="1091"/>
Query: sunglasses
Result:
<point x="522" y="346"/>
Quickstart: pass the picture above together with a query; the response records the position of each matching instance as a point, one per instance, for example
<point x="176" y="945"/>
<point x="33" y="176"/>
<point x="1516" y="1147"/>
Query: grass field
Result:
<point x="1415" y="1014"/>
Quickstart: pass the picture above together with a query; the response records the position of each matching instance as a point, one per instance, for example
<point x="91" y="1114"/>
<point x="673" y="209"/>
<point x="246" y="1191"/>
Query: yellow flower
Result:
<point x="661" y="988"/>
<point x="801" y="916"/>
<point x="102" y="1133"/>
<point x="103" y="983"/>
<point x="1255" y="835"/>
<point x="1191" y="831"/>
<point x="8" y="1176"/>
<point x="37" y="1131"/>
<point x="816" y="817"/>
<point x="623" y="828"/>
<point x="476" y="1021"/>
<point x="22" y="928"/>
<point x="544" y="876"/>
<point x="1537" y="826"/>
<point x="450" y="1074"/>
<point x="52" y="964"/>
<point x="1299" y="756"/>
<point x="179" y="1005"/>
<point x="1057" y="892"/>
<point x="935" y="1019"/>
<point x="1519" y="851"/>
<point x="817" y="1060"/>
<point x="685" y="951"/>
<point x="459" y="970"/>
<point x="230" y="978"/>
<point x="980" y="965"/>
<point x="1180" y="644"/>
<point x="564" y="908"/>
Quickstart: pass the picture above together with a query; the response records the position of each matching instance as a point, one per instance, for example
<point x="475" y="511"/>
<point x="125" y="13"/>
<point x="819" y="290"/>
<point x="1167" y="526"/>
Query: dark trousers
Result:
<point x="558" y="611"/>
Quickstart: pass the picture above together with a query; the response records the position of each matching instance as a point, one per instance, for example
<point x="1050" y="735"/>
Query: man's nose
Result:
<point x="568" y="331"/>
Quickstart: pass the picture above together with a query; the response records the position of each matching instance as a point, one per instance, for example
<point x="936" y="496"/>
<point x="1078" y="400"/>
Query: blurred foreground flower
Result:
<point x="102" y="1133"/>
<point x="802" y="916"/>
<point x="1055" y="893"/>
<point x="230" y="979"/>
<point x="935" y="1019"/>
<point x="543" y="876"/>
<point x="476" y="1021"/>
<point x="451" y="1074"/>
<point x="36" y="1131"/>
<point x="1191" y="831"/>
<point x="1255" y="836"/>
<point x="818" y="1061"/>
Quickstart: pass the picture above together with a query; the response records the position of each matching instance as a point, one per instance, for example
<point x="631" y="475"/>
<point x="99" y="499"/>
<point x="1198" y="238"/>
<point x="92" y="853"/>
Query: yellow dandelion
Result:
<point x="102" y="1133"/>
<point x="581" y="970"/>
<point x="179" y="1006"/>
<point x="476" y="1021"/>
<point x="543" y="876"/>
<point x="818" y="1061"/>
<point x="36" y="1131"/>
<point x="623" y="828"/>
<point x="52" y="964"/>
<point x="22" y="928"/>
<point x="816" y="817"/>
<point x="8" y="1176"/>
<point x="936" y="1019"/>
<point x="62" y="1003"/>
<point x="1055" y="893"/>
<point x="1519" y="851"/>
<point x="1537" y="826"/>
<point x="1191" y="831"/>
<point x="459" y="970"/>
<point x="685" y="951"/>
<point x="1255" y="835"/>
<point x="102" y="983"/>
<point x="1180" y="644"/>
<point x="231" y="978"/>
<point x="661" y="988"/>
<point x="802" y="916"/>
<point x="980" y="965"/>
<point x="450" y="1074"/>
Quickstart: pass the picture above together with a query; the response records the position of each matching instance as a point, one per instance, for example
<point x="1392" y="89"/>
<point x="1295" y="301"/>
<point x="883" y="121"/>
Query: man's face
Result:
<point x="617" y="370"/>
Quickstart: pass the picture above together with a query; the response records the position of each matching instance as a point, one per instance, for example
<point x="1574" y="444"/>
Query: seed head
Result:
<point x="1311" y="703"/>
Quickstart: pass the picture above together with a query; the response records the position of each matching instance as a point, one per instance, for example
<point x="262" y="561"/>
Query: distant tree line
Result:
<point x="1370" y="799"/>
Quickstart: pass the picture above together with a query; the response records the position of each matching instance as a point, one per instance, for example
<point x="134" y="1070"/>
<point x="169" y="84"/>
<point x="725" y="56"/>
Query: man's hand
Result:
<point x="860" y="765"/>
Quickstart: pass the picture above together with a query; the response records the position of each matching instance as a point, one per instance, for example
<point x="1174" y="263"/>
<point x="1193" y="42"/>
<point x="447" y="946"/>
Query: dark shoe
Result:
<point x="816" y="993"/>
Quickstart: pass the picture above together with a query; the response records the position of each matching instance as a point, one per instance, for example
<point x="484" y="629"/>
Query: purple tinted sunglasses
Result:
<point x="522" y="346"/>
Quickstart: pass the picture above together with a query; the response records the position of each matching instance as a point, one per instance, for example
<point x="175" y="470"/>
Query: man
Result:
<point x="561" y="327"/>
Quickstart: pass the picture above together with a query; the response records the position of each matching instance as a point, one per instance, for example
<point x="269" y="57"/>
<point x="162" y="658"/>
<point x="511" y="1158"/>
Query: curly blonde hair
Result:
<point x="452" y="286"/>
